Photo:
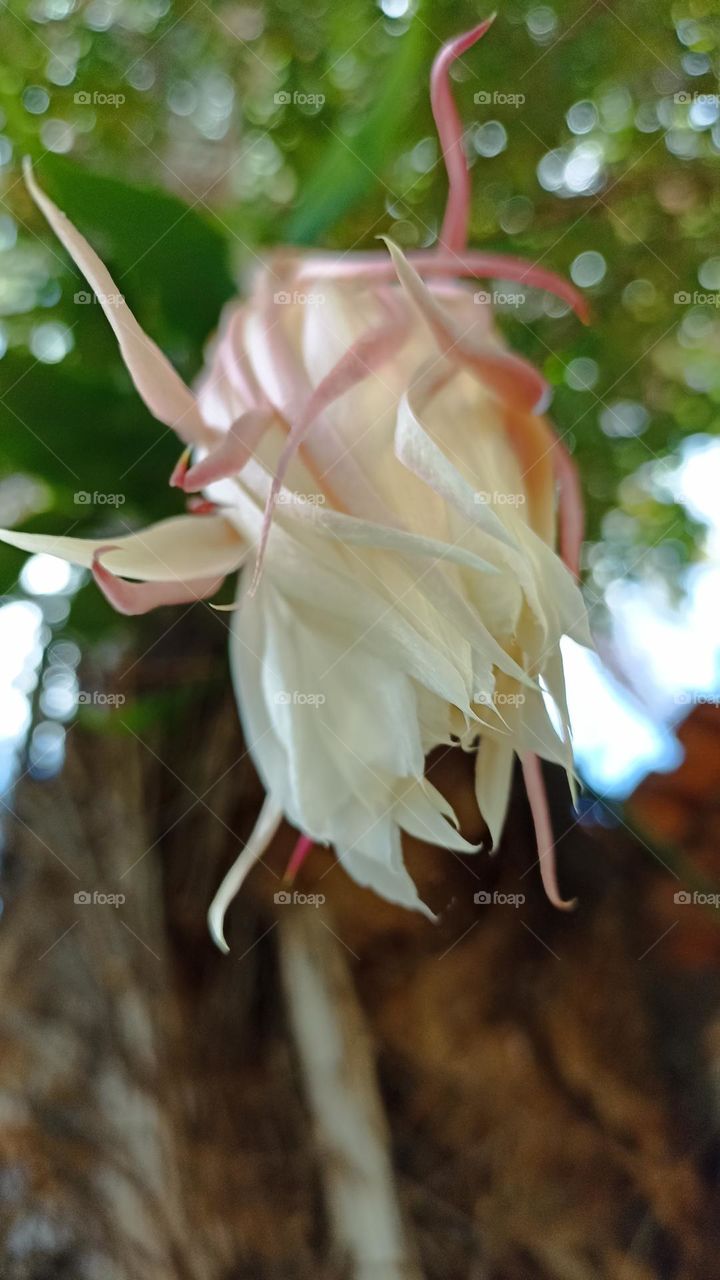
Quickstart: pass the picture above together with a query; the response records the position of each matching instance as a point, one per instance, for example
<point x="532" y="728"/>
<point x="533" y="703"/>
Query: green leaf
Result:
<point x="351" y="167"/>
<point x="82" y="435"/>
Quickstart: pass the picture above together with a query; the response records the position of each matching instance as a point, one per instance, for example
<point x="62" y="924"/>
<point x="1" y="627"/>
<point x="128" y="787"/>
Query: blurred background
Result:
<point x="184" y="139"/>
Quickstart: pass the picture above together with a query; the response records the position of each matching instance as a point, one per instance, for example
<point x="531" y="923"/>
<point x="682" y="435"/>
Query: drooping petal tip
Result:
<point x="135" y="598"/>
<point x="261" y="836"/>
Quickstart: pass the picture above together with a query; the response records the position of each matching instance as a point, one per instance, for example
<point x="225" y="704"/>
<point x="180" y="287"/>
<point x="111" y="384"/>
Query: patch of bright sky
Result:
<point x="24" y="633"/>
<point x="671" y="652"/>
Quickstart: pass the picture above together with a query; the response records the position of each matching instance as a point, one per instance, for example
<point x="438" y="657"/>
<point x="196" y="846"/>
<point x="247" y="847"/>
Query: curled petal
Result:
<point x="228" y="459"/>
<point x="493" y="782"/>
<point x="179" y="471"/>
<point x="260" y="838"/>
<point x="417" y="451"/>
<point x="450" y="133"/>
<point x="162" y="389"/>
<point x="511" y="378"/>
<point x="535" y="786"/>
<point x="133" y="598"/>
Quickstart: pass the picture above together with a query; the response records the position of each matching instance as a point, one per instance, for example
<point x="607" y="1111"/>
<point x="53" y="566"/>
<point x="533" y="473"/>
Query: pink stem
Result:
<point x="450" y="132"/>
<point x="297" y="857"/>
<point x="535" y="786"/>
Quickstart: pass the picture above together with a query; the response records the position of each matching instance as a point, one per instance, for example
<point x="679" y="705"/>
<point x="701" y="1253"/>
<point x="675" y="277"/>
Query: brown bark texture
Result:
<point x="549" y="1081"/>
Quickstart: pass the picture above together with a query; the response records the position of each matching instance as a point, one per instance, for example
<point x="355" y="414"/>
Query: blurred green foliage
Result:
<point x="182" y="137"/>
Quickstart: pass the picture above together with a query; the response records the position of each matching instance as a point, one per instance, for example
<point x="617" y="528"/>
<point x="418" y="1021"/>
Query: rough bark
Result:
<point x="552" y="1106"/>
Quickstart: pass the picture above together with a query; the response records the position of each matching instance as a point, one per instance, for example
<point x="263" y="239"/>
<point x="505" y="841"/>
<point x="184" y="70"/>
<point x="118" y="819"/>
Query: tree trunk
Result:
<point x="538" y="1116"/>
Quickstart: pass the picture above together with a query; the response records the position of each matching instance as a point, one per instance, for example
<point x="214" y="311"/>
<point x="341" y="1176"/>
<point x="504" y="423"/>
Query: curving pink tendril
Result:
<point x="453" y="235"/>
<point x="537" y="796"/>
<point x="228" y="459"/>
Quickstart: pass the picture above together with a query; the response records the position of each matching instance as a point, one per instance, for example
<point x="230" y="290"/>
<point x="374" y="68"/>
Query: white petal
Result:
<point x="376" y="624"/>
<point x="261" y="836"/>
<point x="371" y="853"/>
<point x="162" y="389"/>
<point x="366" y="533"/>
<point x="551" y="593"/>
<point x="420" y="454"/>
<point x="417" y="815"/>
<point x="493" y="781"/>
<point x="247" y="647"/>
<point x="183" y="547"/>
<point x="346" y="718"/>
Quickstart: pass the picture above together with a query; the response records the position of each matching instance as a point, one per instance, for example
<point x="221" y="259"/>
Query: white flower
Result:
<point x="371" y="455"/>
